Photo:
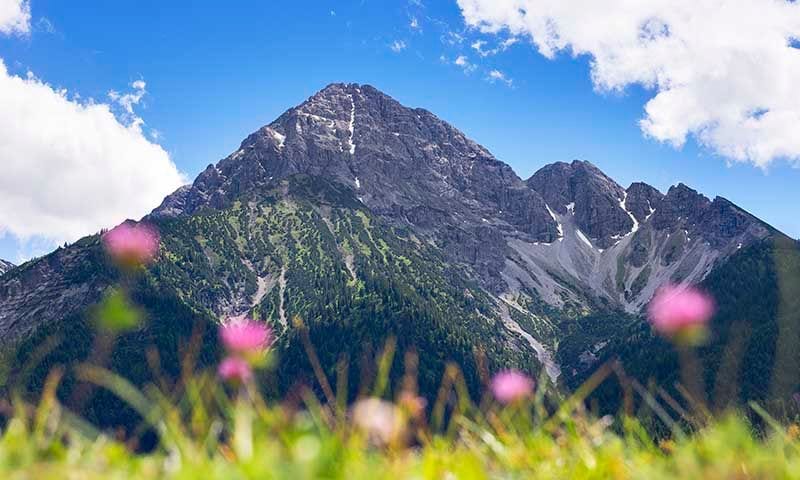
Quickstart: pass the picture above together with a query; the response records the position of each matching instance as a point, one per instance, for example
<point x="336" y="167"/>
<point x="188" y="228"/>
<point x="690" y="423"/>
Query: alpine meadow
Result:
<point x="360" y="289"/>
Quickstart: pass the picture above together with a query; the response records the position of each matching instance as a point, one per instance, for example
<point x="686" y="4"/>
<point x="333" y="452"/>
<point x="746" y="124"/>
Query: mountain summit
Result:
<point x="368" y="219"/>
<point x="521" y="239"/>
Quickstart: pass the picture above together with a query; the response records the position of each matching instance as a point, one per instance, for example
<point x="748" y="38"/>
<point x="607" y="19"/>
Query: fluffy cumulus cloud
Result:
<point x="723" y="71"/>
<point x="15" y="17"/>
<point x="69" y="168"/>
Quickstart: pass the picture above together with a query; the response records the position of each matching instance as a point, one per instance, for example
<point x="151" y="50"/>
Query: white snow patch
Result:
<point x="552" y="214"/>
<point x="583" y="238"/>
<point x="352" y="125"/>
<point x="324" y="120"/>
<point x="280" y="138"/>
<point x="571" y="208"/>
<point x="358" y="183"/>
<point x="652" y="211"/>
<point x="633" y="217"/>
<point x="237" y="154"/>
<point x="738" y="247"/>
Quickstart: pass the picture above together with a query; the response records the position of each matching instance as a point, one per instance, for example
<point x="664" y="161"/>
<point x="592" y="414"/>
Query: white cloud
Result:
<point x="722" y="71"/>
<point x="463" y="62"/>
<point x="501" y="47"/>
<point x="452" y="38"/>
<point x="15" y="17"/>
<point x="129" y="100"/>
<point x="414" y="24"/>
<point x="478" y="47"/>
<point x="70" y="168"/>
<point x="498" y="76"/>
<point x="398" y="46"/>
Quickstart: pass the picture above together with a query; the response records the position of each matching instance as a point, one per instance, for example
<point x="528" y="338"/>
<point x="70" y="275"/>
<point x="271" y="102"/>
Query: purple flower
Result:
<point x="677" y="310"/>
<point x="235" y="370"/>
<point x="246" y="336"/>
<point x="511" y="386"/>
<point x="131" y="245"/>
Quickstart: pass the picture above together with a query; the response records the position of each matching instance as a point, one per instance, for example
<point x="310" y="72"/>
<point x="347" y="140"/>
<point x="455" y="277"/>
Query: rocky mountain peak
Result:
<point x="643" y="201"/>
<point x="403" y="163"/>
<point x="412" y="169"/>
<point x="352" y="134"/>
<point x="583" y="190"/>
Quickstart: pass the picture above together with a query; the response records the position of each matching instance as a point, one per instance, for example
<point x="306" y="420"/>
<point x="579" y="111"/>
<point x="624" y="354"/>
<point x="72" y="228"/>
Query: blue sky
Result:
<point x="216" y="73"/>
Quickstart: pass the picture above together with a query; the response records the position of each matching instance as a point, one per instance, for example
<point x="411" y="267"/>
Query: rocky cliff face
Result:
<point x="567" y="242"/>
<point x="5" y="266"/>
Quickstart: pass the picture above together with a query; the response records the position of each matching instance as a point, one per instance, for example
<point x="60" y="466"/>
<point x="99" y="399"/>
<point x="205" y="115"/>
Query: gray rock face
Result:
<point x="569" y="235"/>
<point x="400" y="161"/>
<point x="5" y="266"/>
<point x="50" y="288"/>
<point x="595" y="199"/>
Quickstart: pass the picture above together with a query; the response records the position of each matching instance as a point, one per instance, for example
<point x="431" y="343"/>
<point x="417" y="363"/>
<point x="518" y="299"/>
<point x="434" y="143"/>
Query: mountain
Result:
<point x="368" y="219"/>
<point x="5" y="266"/>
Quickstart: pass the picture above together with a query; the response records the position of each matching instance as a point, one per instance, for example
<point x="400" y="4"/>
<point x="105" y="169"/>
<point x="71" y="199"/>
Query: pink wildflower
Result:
<point x="677" y="310"/>
<point x="511" y="386"/>
<point x="235" y="369"/>
<point x="246" y="336"/>
<point x="382" y="421"/>
<point x="131" y="245"/>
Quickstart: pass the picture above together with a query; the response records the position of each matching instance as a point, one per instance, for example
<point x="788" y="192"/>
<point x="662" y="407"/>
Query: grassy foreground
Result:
<point x="214" y="431"/>
<point x="209" y="425"/>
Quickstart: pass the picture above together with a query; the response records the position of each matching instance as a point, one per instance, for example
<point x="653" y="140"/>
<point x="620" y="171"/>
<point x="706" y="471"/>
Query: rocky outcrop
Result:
<point x="5" y="266"/>
<point x="50" y="289"/>
<point x="582" y="190"/>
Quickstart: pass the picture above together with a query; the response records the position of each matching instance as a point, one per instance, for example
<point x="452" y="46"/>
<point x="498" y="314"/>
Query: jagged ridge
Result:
<point x="352" y="187"/>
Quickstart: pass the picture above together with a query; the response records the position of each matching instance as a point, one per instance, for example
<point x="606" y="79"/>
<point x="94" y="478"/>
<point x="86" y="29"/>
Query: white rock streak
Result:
<point x="545" y="357"/>
<point x="352" y="125"/>
<point x="583" y="238"/>
<point x="280" y="138"/>
<point x="652" y="211"/>
<point x="633" y="217"/>
<point x="553" y="215"/>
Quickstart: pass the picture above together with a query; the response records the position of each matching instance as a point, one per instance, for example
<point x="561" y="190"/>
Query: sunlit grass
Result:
<point x="209" y="430"/>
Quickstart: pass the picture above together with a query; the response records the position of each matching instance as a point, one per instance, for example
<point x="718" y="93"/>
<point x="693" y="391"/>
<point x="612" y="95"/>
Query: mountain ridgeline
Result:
<point x="369" y="220"/>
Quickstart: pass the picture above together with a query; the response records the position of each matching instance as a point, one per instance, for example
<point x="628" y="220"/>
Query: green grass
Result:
<point x="207" y="430"/>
